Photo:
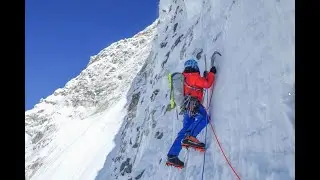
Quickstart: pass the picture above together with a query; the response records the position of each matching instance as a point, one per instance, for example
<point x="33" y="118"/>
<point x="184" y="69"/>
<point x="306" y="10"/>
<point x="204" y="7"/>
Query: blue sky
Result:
<point x="61" y="35"/>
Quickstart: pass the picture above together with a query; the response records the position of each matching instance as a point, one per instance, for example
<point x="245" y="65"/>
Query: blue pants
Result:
<point x="191" y="126"/>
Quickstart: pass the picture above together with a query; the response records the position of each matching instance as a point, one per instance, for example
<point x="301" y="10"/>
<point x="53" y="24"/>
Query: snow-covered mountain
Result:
<point x="113" y="121"/>
<point x="103" y="83"/>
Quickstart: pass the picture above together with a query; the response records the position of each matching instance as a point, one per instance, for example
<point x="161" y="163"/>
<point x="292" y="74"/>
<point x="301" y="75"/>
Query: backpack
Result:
<point x="178" y="99"/>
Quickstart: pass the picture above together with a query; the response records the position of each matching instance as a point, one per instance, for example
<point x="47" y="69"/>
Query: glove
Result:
<point x="213" y="69"/>
<point x="205" y="73"/>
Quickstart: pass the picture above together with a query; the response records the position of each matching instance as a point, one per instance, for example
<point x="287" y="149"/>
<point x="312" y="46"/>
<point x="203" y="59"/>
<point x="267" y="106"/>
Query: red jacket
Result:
<point x="194" y="84"/>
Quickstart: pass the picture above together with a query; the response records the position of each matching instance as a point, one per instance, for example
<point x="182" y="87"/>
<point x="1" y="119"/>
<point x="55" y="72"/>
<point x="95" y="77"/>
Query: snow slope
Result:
<point x="79" y="121"/>
<point x="252" y="107"/>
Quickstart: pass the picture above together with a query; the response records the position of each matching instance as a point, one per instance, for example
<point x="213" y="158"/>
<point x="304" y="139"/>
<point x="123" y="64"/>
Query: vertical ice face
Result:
<point x="252" y="107"/>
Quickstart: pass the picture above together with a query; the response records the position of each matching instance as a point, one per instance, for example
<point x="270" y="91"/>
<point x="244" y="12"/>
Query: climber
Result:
<point x="195" y="115"/>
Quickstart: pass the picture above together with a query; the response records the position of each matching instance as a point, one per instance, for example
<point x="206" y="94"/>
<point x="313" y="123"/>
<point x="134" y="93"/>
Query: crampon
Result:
<point x="174" y="165"/>
<point x="197" y="148"/>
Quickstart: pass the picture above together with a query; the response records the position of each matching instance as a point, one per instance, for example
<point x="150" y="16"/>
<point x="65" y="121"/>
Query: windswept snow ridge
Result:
<point x="252" y="107"/>
<point x="59" y="121"/>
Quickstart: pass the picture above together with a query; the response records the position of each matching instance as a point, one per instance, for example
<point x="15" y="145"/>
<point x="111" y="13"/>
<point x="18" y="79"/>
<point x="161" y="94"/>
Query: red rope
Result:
<point x="222" y="150"/>
<point x="219" y="142"/>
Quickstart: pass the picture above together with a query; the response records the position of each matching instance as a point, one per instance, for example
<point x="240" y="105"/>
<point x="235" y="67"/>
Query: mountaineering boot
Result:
<point x="174" y="161"/>
<point x="191" y="141"/>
